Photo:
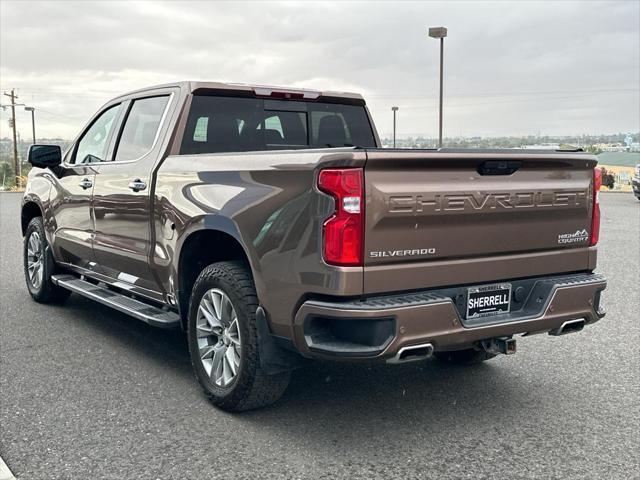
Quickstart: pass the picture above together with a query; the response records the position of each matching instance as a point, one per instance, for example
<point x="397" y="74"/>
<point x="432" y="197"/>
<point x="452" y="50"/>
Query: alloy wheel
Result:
<point x="218" y="336"/>
<point x="34" y="260"/>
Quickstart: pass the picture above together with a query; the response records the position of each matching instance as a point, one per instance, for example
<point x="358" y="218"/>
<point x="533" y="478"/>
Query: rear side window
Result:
<point x="141" y="127"/>
<point x="232" y="124"/>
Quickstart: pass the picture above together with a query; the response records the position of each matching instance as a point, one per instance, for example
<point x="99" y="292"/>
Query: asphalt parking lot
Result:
<point x="86" y="392"/>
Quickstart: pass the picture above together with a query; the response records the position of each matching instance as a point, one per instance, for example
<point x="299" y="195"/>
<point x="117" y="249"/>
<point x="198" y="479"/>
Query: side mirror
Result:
<point x="45" y="156"/>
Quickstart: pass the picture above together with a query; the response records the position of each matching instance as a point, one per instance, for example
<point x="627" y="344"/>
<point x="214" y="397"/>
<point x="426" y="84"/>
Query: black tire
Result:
<point x="470" y="356"/>
<point x="43" y="291"/>
<point x="251" y="387"/>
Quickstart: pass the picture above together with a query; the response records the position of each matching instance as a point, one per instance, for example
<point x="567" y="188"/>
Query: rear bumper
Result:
<point x="379" y="327"/>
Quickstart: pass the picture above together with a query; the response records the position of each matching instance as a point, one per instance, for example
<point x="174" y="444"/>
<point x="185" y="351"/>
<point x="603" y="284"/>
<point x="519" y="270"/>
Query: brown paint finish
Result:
<point x="267" y="202"/>
<point x="72" y="223"/>
<point x="481" y="269"/>
<point x="433" y="219"/>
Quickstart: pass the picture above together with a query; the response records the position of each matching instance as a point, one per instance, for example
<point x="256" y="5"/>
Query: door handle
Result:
<point x="86" y="183"/>
<point x="137" y="185"/>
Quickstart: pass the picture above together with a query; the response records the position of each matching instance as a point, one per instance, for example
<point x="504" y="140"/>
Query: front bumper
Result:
<point x="378" y="327"/>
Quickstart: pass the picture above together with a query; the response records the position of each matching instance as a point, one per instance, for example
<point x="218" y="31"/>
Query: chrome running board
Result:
<point x="154" y="316"/>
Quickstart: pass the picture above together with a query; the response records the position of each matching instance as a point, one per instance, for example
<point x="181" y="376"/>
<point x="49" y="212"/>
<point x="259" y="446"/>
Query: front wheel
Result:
<point x="223" y="340"/>
<point x="470" y="356"/>
<point x="39" y="266"/>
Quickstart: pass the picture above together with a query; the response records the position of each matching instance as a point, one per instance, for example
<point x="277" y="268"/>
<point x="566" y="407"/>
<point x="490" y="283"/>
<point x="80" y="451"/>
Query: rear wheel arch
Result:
<point x="199" y="250"/>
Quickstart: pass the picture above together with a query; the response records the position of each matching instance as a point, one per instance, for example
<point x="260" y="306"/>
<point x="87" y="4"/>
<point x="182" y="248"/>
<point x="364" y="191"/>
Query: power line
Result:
<point x="55" y="114"/>
<point x="510" y="94"/>
<point x="499" y="102"/>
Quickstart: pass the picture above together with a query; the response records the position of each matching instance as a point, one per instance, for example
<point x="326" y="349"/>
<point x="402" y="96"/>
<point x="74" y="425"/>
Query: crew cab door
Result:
<point x="122" y="195"/>
<point x="73" y="189"/>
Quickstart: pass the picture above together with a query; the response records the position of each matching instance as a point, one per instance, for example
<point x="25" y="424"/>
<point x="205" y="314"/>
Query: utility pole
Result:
<point x="16" y="162"/>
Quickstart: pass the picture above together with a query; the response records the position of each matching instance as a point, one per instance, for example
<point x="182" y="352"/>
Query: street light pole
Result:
<point x="394" y="110"/>
<point x="441" y="75"/>
<point x="441" y="33"/>
<point x="33" y="122"/>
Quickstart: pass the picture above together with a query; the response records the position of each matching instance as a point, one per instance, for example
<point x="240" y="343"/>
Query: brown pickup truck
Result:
<point x="271" y="227"/>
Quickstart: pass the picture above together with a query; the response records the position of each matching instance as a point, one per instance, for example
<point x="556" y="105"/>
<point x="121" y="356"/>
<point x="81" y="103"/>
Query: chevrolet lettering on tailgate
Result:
<point x="444" y="202"/>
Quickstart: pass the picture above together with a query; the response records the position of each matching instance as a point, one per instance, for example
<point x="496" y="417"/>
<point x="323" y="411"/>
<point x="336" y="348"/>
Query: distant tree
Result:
<point x="593" y="149"/>
<point x="6" y="175"/>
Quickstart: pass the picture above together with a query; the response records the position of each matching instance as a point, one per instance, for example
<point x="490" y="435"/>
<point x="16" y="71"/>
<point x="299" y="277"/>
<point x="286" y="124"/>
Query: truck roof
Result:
<point x="196" y="87"/>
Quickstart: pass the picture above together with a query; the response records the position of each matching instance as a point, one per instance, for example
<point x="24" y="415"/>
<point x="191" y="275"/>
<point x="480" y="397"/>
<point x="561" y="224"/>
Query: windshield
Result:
<point x="233" y="124"/>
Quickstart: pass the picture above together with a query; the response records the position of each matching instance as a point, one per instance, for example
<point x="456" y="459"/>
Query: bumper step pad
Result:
<point x="558" y="304"/>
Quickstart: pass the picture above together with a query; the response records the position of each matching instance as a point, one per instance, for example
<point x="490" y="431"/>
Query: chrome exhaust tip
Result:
<point x="412" y="353"/>
<point x="570" y="326"/>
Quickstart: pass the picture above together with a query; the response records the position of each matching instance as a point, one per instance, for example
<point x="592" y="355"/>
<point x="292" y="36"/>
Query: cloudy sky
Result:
<point x="511" y="68"/>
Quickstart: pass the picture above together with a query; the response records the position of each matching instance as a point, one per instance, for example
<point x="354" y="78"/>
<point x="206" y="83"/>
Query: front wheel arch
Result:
<point x="30" y="210"/>
<point x="45" y="291"/>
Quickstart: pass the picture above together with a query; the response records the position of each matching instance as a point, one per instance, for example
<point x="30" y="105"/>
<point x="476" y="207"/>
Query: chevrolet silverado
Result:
<point x="271" y="227"/>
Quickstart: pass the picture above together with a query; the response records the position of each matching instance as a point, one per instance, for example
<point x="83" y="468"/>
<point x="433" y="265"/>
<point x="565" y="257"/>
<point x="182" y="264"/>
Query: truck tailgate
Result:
<point x="456" y="208"/>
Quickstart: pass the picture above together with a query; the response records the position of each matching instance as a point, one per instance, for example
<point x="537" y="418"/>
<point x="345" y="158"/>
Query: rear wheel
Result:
<point x="223" y="341"/>
<point x="470" y="356"/>
<point x="39" y="265"/>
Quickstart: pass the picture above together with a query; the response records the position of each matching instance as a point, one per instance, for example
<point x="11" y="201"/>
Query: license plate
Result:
<point x="488" y="300"/>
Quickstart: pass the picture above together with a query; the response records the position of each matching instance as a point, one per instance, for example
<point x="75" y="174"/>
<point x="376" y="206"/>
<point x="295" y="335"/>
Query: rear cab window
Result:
<point x="236" y="124"/>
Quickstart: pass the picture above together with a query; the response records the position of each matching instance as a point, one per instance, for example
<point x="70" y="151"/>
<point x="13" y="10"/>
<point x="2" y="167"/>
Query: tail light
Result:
<point x="343" y="236"/>
<point x="595" y="219"/>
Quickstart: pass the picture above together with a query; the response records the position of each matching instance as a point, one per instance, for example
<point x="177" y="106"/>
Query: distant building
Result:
<point x="542" y="146"/>
<point x="612" y="147"/>
<point x="628" y="140"/>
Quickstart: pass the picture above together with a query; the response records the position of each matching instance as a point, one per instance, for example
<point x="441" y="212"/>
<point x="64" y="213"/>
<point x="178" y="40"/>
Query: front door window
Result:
<point x="94" y="144"/>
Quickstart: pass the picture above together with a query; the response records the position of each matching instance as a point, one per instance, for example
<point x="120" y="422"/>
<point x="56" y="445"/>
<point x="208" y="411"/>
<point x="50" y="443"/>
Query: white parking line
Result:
<point x="5" y="473"/>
